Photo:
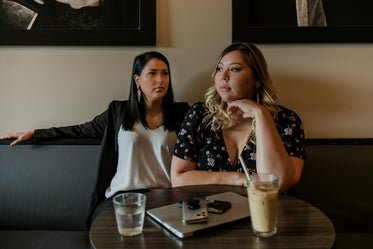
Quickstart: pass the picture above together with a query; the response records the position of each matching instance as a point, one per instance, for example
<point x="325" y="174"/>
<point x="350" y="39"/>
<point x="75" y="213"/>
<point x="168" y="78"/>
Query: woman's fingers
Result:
<point x="232" y="109"/>
<point x="20" y="136"/>
<point x="16" y="142"/>
<point x="9" y="136"/>
<point x="243" y="105"/>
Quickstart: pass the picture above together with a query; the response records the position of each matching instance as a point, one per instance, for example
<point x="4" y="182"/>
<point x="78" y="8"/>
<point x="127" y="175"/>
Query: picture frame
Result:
<point x="143" y="34"/>
<point x="243" y="31"/>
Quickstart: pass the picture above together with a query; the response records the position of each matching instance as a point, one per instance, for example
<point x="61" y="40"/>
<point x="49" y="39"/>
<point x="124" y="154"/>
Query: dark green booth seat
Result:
<point x="338" y="179"/>
<point x="45" y="189"/>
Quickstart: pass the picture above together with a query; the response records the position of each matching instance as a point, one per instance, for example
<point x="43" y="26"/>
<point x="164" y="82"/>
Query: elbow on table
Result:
<point x="289" y="181"/>
<point x="292" y="175"/>
<point x="177" y="171"/>
<point x="180" y="177"/>
<point x="175" y="180"/>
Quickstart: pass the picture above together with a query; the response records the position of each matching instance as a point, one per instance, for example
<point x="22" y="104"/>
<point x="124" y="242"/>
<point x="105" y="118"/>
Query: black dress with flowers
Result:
<point x="199" y="144"/>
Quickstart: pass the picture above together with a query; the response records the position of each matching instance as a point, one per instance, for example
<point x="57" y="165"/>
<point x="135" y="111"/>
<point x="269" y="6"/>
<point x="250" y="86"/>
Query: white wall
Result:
<point x="328" y="85"/>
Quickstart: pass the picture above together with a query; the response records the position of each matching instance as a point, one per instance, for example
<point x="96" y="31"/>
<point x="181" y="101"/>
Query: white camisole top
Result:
<point x="144" y="159"/>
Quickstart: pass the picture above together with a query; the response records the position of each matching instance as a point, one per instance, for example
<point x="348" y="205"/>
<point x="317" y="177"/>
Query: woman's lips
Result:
<point x="224" y="89"/>
<point x="159" y="89"/>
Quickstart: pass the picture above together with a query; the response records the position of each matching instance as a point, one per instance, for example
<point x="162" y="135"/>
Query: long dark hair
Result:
<point x="136" y="110"/>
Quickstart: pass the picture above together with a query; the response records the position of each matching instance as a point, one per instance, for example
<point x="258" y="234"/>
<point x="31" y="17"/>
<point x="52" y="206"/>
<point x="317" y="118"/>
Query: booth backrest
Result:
<point x="338" y="179"/>
<point x="46" y="186"/>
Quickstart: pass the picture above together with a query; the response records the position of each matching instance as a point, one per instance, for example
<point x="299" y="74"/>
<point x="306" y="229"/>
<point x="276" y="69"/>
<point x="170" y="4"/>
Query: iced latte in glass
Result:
<point x="262" y="191"/>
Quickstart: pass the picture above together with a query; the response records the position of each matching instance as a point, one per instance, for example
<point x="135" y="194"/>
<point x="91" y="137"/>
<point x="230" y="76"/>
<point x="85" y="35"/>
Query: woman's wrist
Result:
<point x="261" y="113"/>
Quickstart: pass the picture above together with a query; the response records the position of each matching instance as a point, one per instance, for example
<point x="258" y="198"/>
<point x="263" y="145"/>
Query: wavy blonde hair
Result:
<point x="217" y="117"/>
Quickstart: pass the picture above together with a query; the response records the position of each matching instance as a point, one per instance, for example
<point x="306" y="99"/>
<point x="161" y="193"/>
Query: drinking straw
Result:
<point x="243" y="164"/>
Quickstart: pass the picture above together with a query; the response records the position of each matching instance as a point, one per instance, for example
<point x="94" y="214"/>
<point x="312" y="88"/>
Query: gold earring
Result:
<point x="138" y="93"/>
<point x="257" y="96"/>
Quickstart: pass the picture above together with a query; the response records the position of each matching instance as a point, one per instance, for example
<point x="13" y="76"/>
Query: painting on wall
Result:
<point x="78" y="22"/>
<point x="302" y="21"/>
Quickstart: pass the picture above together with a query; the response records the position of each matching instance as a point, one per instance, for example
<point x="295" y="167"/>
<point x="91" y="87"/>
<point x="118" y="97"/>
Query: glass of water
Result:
<point x="129" y="212"/>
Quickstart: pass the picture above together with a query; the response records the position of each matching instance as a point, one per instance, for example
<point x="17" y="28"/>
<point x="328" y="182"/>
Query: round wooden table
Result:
<point x="300" y="225"/>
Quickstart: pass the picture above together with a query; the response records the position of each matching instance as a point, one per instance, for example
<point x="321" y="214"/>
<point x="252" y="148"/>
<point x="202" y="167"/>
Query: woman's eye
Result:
<point x="219" y="69"/>
<point x="236" y="69"/>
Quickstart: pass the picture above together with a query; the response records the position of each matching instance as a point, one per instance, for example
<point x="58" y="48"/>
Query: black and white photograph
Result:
<point x="81" y="21"/>
<point x="302" y="20"/>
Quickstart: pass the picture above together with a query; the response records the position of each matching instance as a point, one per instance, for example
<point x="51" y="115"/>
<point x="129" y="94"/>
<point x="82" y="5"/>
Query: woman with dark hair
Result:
<point x="138" y="135"/>
<point x="240" y="117"/>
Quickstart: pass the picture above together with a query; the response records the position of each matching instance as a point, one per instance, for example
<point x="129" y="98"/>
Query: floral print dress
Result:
<point x="207" y="148"/>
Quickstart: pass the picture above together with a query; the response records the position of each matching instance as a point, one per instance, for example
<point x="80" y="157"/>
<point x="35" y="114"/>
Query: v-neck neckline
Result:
<point x="226" y="151"/>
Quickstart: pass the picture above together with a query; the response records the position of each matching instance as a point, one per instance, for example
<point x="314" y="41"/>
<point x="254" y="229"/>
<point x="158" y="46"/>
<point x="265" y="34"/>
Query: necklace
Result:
<point x="154" y="122"/>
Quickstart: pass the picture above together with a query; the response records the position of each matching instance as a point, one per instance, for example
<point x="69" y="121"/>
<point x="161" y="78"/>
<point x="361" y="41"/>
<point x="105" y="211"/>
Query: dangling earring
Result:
<point x="257" y="96"/>
<point x="138" y="93"/>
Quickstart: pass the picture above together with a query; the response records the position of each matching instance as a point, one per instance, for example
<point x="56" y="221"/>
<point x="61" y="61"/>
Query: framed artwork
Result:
<point x="78" y="22"/>
<point x="302" y="21"/>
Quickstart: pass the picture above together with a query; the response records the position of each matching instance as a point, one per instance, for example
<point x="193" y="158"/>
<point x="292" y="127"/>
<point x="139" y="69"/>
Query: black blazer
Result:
<point x="105" y="127"/>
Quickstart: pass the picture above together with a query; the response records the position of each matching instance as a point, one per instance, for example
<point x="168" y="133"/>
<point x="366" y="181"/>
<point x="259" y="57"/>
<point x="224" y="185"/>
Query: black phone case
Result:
<point x="218" y="207"/>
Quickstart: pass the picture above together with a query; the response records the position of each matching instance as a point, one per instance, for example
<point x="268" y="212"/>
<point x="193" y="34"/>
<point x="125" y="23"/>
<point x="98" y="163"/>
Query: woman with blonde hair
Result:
<point x="240" y="116"/>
